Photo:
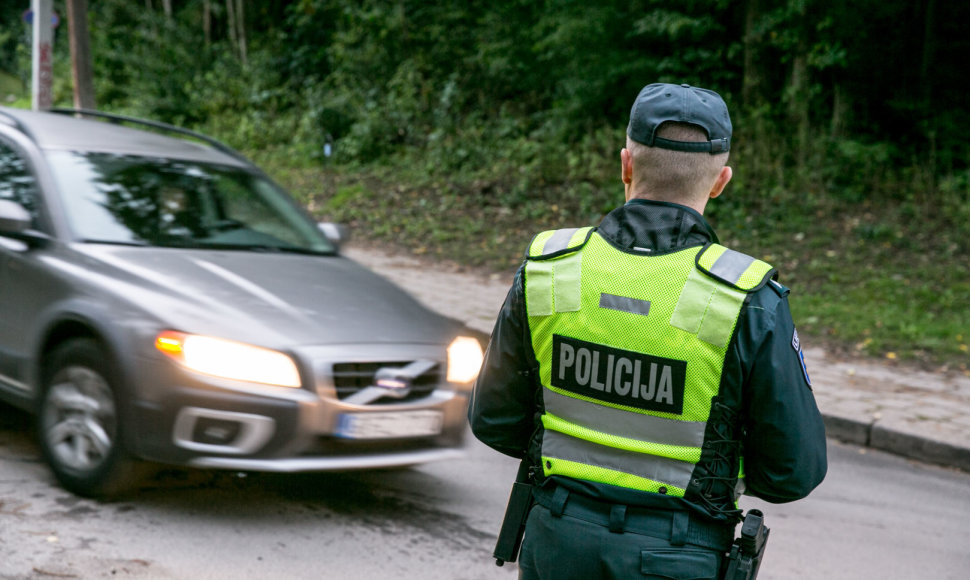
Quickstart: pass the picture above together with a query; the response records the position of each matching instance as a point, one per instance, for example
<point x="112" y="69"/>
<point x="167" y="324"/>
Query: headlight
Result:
<point x="464" y="359"/>
<point x="228" y="359"/>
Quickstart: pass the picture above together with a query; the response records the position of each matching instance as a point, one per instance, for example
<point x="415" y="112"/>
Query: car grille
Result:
<point x="348" y="378"/>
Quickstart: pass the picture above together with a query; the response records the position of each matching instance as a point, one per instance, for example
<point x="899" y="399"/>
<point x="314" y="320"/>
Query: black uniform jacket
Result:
<point x="764" y="378"/>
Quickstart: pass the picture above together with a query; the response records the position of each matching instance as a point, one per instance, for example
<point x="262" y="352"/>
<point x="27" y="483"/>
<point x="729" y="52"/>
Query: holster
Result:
<point x="513" y="524"/>
<point x="746" y="554"/>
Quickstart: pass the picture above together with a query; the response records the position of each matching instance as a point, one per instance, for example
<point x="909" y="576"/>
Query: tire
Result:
<point x="80" y="430"/>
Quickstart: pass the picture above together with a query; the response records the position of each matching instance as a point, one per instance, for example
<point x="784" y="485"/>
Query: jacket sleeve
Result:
<point x="503" y="405"/>
<point x="784" y="437"/>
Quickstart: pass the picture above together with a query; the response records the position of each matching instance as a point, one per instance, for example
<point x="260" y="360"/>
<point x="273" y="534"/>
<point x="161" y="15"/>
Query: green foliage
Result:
<point x="954" y="193"/>
<point x="482" y="122"/>
<point x="855" y="170"/>
<point x="10" y="87"/>
<point x="347" y="195"/>
<point x="479" y="87"/>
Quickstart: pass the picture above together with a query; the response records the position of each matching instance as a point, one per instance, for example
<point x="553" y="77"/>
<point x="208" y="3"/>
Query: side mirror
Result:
<point x="336" y="234"/>
<point x="14" y="219"/>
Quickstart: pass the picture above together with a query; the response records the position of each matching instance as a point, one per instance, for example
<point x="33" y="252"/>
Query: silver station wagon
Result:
<point x="162" y="301"/>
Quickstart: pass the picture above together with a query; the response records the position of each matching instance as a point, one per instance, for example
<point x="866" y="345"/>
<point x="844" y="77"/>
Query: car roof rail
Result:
<point x="14" y="122"/>
<point x="119" y="119"/>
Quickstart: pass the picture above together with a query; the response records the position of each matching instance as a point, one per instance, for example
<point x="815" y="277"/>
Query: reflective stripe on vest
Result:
<point x="739" y="270"/>
<point x="556" y="280"/>
<point x="630" y="350"/>
<point x="623" y="423"/>
<point x="706" y="307"/>
<point x="569" y="456"/>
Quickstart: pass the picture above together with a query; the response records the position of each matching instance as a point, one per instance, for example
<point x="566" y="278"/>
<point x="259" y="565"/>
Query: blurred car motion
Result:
<point x="162" y="300"/>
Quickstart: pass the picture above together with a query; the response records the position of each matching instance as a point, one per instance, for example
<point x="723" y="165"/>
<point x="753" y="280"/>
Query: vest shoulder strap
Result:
<point x="733" y="268"/>
<point x="554" y="243"/>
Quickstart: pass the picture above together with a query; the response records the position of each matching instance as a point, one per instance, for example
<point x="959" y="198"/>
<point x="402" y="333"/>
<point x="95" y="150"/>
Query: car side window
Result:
<point x="17" y="183"/>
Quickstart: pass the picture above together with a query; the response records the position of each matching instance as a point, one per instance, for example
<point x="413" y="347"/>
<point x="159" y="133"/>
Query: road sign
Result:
<point x="29" y="18"/>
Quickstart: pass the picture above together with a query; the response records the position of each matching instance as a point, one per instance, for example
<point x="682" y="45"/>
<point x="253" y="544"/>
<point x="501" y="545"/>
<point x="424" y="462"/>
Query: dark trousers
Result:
<point x="577" y="541"/>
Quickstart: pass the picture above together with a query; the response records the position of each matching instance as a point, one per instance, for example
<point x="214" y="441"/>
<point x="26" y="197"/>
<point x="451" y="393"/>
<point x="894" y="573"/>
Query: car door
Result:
<point x="23" y="283"/>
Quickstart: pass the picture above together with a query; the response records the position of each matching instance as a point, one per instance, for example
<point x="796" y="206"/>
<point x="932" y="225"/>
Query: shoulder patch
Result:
<point x="554" y="243"/>
<point x="735" y="269"/>
<point x="797" y="345"/>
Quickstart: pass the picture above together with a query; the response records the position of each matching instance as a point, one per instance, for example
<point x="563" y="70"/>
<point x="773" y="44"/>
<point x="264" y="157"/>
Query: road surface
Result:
<point x="876" y="516"/>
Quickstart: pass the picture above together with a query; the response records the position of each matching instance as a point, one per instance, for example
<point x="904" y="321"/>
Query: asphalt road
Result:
<point x="876" y="516"/>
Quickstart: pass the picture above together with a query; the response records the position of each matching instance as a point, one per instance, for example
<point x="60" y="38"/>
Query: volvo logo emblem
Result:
<point x="395" y="382"/>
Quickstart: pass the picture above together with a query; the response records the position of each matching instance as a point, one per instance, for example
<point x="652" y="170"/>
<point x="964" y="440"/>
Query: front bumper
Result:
<point x="350" y="463"/>
<point x="210" y="423"/>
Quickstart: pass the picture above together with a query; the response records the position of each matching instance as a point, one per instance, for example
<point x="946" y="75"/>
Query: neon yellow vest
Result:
<point x="630" y="347"/>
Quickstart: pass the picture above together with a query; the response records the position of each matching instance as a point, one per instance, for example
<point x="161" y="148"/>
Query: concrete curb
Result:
<point x="873" y="435"/>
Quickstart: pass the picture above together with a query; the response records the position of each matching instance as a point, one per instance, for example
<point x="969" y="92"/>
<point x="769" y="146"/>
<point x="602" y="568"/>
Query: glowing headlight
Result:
<point x="228" y="359"/>
<point x="464" y="360"/>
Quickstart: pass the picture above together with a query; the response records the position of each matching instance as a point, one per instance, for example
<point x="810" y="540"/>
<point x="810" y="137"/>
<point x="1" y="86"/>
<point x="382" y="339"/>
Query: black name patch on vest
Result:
<point x="618" y="376"/>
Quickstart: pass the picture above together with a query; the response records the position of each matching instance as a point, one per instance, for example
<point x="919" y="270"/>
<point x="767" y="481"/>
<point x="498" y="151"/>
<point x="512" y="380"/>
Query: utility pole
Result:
<point x="42" y="54"/>
<point x="77" y="19"/>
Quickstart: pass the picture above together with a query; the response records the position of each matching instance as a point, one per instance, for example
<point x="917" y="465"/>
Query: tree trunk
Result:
<point x="799" y="91"/>
<point x="926" y="88"/>
<point x="840" y="109"/>
<point x="241" y="27"/>
<point x="798" y="104"/>
<point x="77" y="17"/>
<point x="926" y="62"/>
<point x="231" y="16"/>
<point x="752" y="90"/>
<point x="207" y="21"/>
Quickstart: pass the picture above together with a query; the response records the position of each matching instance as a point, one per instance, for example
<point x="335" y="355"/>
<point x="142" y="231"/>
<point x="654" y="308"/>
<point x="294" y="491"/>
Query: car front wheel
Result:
<point x="79" y="422"/>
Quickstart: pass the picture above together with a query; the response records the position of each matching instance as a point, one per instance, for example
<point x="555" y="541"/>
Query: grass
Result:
<point x="877" y="281"/>
<point x="889" y="280"/>
<point x="11" y="88"/>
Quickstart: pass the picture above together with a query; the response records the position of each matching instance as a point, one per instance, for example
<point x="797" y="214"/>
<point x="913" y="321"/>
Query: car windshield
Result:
<point x="136" y="200"/>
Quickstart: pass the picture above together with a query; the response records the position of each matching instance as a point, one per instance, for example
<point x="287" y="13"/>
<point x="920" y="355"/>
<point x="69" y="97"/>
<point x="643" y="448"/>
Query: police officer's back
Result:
<point x="648" y="374"/>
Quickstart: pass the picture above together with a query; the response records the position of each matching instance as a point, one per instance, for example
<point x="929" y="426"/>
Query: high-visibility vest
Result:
<point x="631" y="347"/>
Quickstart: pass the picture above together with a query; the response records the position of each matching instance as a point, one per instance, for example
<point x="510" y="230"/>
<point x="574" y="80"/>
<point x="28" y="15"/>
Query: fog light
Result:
<point x="224" y="432"/>
<point x="211" y="431"/>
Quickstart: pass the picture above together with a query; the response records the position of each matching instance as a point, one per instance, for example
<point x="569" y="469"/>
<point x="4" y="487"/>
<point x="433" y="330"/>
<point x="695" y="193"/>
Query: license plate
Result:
<point x="389" y="425"/>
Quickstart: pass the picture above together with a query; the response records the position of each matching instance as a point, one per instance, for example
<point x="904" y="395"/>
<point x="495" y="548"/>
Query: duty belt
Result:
<point x="678" y="527"/>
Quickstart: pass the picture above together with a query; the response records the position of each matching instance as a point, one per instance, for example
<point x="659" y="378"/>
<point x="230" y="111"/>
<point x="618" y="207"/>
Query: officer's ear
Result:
<point x="723" y="177"/>
<point x="626" y="171"/>
<point x="626" y="166"/>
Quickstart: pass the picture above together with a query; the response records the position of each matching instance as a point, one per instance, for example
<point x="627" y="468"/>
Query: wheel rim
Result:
<point x="79" y="418"/>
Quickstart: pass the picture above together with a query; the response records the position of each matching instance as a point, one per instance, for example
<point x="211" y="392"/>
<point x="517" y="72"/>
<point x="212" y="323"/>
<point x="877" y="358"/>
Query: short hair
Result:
<point x="674" y="175"/>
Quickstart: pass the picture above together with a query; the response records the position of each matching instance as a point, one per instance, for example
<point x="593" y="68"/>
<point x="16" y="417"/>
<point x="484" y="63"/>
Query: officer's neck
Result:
<point x="697" y="205"/>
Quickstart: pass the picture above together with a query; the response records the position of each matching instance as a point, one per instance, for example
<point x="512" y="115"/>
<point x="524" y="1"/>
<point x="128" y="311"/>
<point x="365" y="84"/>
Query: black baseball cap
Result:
<point x="662" y="102"/>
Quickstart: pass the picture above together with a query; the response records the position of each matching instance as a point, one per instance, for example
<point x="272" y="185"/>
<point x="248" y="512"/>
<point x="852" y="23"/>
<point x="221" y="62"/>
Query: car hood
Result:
<point x="275" y="299"/>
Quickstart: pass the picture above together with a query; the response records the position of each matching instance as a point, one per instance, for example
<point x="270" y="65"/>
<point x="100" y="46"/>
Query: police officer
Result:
<point x="648" y="374"/>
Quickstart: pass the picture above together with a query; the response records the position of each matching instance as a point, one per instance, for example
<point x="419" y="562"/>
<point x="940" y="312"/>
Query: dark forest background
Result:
<point x="459" y="128"/>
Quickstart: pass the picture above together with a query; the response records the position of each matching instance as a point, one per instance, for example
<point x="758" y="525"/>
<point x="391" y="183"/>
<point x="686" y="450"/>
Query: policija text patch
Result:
<point x="618" y="376"/>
